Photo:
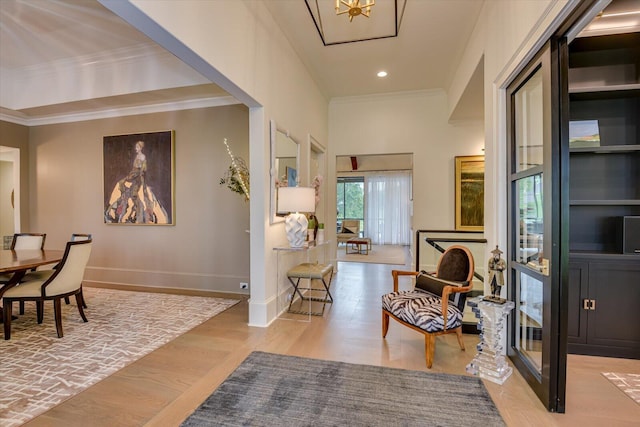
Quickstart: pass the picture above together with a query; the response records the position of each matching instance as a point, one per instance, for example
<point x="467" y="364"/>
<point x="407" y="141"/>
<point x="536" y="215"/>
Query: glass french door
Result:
<point x="536" y="344"/>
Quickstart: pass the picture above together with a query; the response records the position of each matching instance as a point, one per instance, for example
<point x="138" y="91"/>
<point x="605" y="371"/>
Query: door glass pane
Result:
<point x="529" y="320"/>
<point x="529" y="124"/>
<point x="531" y="225"/>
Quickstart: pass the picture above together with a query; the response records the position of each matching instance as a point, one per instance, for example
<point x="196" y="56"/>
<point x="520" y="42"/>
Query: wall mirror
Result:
<point x="285" y="166"/>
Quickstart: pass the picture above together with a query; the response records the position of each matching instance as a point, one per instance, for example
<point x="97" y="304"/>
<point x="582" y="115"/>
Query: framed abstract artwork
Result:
<point x="138" y="171"/>
<point x="469" y="194"/>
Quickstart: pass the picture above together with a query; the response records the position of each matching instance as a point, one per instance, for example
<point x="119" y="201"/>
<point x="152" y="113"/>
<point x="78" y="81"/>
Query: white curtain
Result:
<point x="388" y="208"/>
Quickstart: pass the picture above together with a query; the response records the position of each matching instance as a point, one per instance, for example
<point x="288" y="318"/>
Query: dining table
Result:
<point x="16" y="263"/>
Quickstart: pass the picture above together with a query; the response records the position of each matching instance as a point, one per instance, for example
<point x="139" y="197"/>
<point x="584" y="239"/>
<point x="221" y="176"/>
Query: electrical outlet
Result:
<point x="244" y="285"/>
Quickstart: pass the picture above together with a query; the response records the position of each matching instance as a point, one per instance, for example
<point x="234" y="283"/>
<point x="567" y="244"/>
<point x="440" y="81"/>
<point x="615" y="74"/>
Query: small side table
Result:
<point x="359" y="245"/>
<point x="489" y="363"/>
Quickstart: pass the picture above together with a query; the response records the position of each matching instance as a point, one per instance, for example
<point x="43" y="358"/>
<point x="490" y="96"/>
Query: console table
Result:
<point x="490" y="363"/>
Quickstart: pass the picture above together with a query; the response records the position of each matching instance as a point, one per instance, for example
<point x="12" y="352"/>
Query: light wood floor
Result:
<point x="164" y="387"/>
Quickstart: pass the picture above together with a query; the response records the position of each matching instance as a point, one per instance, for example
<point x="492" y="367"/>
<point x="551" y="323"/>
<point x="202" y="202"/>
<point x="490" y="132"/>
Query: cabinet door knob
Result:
<point x="585" y="304"/>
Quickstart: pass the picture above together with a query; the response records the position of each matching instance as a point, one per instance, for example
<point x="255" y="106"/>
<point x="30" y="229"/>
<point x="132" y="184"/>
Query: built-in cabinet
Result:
<point x="603" y="314"/>
<point x="604" y="283"/>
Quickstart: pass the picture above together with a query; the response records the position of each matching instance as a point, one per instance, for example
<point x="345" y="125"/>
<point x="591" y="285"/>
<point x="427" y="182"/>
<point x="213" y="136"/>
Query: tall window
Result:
<point x="388" y="208"/>
<point x="350" y="199"/>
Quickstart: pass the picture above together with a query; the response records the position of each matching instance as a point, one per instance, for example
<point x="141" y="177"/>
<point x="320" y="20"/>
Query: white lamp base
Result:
<point x="295" y="225"/>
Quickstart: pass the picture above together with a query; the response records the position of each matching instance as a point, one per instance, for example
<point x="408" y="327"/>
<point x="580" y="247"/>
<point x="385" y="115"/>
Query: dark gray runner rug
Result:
<point x="270" y="389"/>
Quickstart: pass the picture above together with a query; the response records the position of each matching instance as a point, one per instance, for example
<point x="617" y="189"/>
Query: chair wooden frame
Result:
<point x="75" y="237"/>
<point x="40" y="299"/>
<point x="17" y="236"/>
<point x="430" y="337"/>
<point x="14" y="242"/>
<point x="353" y="224"/>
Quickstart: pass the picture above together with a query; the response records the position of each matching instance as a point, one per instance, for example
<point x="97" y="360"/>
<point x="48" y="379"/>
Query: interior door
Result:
<point x="537" y="333"/>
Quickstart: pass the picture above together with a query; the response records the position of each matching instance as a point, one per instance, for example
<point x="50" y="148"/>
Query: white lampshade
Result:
<point x="295" y="200"/>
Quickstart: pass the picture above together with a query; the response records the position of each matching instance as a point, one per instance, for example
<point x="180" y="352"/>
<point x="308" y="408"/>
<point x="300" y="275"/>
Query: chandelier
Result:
<point x="354" y="8"/>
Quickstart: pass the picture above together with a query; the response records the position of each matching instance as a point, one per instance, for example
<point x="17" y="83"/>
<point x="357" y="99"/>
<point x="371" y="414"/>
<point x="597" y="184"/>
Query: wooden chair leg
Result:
<point x="385" y="323"/>
<point x="21" y="307"/>
<point x="7" y="305"/>
<point x="40" y="311"/>
<point x="429" y="348"/>
<point x="79" y="303"/>
<point x="57" y="312"/>
<point x="459" y="335"/>
<point x="84" y="303"/>
<point x="67" y="301"/>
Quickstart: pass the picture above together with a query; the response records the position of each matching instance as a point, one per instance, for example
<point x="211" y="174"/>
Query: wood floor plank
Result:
<point x="164" y="387"/>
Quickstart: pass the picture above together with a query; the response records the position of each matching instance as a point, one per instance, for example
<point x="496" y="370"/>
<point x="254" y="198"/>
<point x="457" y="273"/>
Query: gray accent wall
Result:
<point x="206" y="249"/>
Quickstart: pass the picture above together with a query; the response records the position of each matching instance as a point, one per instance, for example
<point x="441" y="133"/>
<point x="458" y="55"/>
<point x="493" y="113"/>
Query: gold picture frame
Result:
<point x="469" y="193"/>
<point x="138" y="178"/>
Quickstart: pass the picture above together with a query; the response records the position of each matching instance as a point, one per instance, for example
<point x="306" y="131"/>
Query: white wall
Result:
<point x="238" y="45"/>
<point x="408" y="122"/>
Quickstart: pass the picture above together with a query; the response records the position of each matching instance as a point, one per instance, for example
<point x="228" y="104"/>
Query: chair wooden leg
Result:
<point x="79" y="303"/>
<point x="459" y="335"/>
<point x="84" y="303"/>
<point x="40" y="311"/>
<point x="21" y="307"/>
<point x="6" y="314"/>
<point x="429" y="348"/>
<point x="67" y="301"/>
<point x="57" y="311"/>
<point x="385" y="323"/>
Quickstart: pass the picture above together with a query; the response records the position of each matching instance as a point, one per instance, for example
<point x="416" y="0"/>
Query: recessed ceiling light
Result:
<point x="382" y="74"/>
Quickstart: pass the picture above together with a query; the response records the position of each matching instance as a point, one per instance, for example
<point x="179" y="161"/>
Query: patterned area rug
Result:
<point x="123" y="326"/>
<point x="275" y="390"/>
<point x="379" y="254"/>
<point x="627" y="383"/>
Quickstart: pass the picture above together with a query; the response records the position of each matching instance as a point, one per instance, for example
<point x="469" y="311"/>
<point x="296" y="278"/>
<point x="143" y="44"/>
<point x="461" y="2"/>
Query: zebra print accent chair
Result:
<point x="422" y="309"/>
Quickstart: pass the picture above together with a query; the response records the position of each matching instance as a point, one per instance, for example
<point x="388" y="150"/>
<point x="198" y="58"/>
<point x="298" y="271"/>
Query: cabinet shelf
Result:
<point x="629" y="89"/>
<point x="604" y="86"/>
<point x="600" y="202"/>
<point x="606" y="149"/>
<point x="601" y="256"/>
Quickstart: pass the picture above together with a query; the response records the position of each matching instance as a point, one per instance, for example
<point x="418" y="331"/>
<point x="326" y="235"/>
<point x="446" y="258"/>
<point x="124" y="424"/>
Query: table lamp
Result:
<point x="295" y="200"/>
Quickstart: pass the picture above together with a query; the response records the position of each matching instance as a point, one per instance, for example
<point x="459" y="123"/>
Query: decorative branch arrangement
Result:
<point x="236" y="178"/>
<point x="316" y="183"/>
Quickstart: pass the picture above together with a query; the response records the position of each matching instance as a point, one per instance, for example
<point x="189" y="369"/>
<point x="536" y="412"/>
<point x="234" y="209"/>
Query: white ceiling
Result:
<point x="432" y="35"/>
<point x="424" y="55"/>
<point x="41" y="34"/>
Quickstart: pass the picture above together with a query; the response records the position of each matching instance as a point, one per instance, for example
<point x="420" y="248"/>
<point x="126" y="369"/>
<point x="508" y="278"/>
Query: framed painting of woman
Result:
<point x="139" y="178"/>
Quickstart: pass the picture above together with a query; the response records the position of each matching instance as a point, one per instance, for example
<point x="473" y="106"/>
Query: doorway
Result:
<point x="9" y="193"/>
<point x="375" y="191"/>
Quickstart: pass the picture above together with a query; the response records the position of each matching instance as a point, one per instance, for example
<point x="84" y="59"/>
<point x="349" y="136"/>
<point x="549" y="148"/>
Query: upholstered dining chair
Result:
<point x="76" y="237"/>
<point x="28" y="241"/>
<point x="65" y="280"/>
<point x="44" y="272"/>
<point x="25" y="241"/>
<point x="436" y="297"/>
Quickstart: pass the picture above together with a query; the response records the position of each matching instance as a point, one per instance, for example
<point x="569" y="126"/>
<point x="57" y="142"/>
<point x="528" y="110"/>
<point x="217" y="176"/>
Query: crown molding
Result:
<point x="21" y="119"/>
<point x="387" y="95"/>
